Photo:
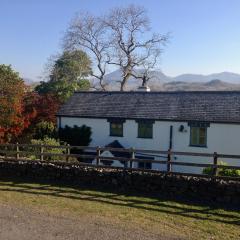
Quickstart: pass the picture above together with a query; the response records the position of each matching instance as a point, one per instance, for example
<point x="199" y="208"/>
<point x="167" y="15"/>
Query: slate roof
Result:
<point x="217" y="106"/>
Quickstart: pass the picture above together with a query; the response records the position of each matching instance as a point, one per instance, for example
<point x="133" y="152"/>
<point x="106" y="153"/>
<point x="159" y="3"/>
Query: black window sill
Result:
<point x="145" y="137"/>
<point x="199" y="146"/>
<point x="115" y="135"/>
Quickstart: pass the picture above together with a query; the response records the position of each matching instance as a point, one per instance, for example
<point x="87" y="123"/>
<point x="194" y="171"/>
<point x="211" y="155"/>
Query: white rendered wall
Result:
<point x="221" y="138"/>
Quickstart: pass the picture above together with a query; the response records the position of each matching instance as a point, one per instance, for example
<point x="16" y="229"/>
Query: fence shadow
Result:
<point x="158" y="203"/>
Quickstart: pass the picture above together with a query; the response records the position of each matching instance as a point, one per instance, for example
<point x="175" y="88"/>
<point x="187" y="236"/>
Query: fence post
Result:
<point x="132" y="157"/>
<point x="17" y="150"/>
<point x="169" y="165"/>
<point x="98" y="156"/>
<point x="41" y="152"/>
<point x="68" y="152"/>
<point x="215" y="162"/>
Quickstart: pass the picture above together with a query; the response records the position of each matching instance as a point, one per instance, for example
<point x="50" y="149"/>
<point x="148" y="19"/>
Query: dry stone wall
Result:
<point x="171" y="185"/>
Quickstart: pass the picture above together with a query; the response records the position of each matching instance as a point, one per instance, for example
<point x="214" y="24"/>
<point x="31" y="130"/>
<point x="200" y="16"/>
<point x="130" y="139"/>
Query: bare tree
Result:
<point x="89" y="33"/>
<point x="121" y="38"/>
<point x="147" y="65"/>
<point x="131" y="46"/>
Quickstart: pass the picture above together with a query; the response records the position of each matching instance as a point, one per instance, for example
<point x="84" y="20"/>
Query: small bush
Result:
<point x="222" y="171"/>
<point x="76" y="136"/>
<point x="46" y="141"/>
<point x="44" y="130"/>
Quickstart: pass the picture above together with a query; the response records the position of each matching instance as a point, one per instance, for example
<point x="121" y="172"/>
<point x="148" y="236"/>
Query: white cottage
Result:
<point x="204" y="122"/>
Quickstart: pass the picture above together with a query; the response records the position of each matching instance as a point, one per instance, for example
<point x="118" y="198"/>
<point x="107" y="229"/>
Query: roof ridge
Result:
<point x="159" y="92"/>
<point x="214" y="106"/>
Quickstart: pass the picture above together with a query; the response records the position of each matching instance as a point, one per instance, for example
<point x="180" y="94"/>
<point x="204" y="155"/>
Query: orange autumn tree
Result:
<point x="37" y="109"/>
<point x="47" y="106"/>
<point x="12" y="92"/>
<point x="41" y="107"/>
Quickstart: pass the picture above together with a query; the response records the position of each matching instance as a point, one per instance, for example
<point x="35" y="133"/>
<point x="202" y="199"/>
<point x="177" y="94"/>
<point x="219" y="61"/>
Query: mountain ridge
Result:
<point x="184" y="82"/>
<point x="223" y="81"/>
<point x="224" y="76"/>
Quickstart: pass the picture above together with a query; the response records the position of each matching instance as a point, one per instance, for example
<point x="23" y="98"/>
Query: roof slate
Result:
<point x="172" y="106"/>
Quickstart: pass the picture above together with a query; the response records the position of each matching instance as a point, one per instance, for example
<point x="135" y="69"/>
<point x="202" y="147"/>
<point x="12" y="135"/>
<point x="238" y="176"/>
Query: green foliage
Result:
<point x="222" y="171"/>
<point x="45" y="130"/>
<point x="68" y="74"/>
<point x="46" y="141"/>
<point x="62" y="89"/>
<point x="71" y="66"/>
<point x="230" y="172"/>
<point x="12" y="91"/>
<point x="76" y="136"/>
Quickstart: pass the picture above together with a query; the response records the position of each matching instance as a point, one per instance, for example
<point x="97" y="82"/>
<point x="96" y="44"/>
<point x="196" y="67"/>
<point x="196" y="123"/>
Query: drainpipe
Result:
<point x="59" y="122"/>
<point x="170" y="138"/>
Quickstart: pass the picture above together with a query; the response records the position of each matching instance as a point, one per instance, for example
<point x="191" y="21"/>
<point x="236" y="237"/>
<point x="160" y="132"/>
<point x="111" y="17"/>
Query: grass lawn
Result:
<point x="187" y="221"/>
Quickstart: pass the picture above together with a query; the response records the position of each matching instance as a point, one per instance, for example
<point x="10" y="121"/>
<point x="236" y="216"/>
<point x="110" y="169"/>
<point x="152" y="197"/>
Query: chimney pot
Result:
<point x="144" y="89"/>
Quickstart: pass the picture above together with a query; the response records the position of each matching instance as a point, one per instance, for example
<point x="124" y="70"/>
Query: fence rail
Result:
<point x="28" y="152"/>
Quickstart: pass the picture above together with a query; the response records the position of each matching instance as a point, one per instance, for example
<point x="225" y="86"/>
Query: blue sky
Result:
<point x="205" y="33"/>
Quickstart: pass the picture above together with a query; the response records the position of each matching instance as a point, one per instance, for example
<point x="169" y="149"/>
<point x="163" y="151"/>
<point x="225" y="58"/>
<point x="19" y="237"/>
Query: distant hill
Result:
<point x="112" y="80"/>
<point x="213" y="85"/>
<point x="185" y="82"/>
<point x="223" y="76"/>
<point x="160" y="82"/>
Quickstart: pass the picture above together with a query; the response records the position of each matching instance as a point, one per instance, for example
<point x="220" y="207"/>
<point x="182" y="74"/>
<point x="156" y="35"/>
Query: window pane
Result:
<point x="202" y="132"/>
<point x="145" y="130"/>
<point x="202" y="141"/>
<point x="145" y="165"/>
<point x="198" y="136"/>
<point x="116" y="129"/>
<point x="202" y="136"/>
<point x="194" y="136"/>
<point x="148" y="165"/>
<point x="141" y="165"/>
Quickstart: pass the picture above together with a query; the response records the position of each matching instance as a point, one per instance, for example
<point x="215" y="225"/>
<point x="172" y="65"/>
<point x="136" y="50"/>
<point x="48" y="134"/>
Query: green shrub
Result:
<point x="44" y="130"/>
<point x="46" y="141"/>
<point x="222" y="171"/>
<point x="230" y="172"/>
<point x="76" y="136"/>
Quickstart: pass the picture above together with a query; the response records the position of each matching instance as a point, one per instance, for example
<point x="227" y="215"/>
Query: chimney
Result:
<point x="143" y="89"/>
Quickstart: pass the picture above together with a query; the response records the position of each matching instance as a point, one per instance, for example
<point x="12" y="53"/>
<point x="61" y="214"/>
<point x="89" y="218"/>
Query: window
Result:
<point x="116" y="129"/>
<point x="145" y="130"/>
<point x="198" y="136"/>
<point x="145" y="165"/>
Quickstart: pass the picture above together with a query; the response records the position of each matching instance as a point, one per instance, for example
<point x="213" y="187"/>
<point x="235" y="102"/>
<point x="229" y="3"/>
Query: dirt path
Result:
<point x="20" y="223"/>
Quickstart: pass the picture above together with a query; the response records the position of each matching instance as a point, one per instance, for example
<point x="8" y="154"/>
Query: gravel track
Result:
<point x="18" y="223"/>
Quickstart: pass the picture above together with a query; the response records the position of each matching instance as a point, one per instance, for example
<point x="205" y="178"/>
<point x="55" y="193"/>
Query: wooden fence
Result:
<point x="67" y="155"/>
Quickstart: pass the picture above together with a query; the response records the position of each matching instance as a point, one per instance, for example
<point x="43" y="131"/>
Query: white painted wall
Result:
<point x="221" y="138"/>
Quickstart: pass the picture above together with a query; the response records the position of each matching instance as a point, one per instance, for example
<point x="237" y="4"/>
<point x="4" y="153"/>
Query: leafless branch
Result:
<point x="128" y="27"/>
<point x="88" y="32"/>
<point x="120" y="38"/>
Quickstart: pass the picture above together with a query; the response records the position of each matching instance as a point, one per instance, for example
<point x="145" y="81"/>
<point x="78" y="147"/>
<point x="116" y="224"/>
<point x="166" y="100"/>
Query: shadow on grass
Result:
<point x="155" y="203"/>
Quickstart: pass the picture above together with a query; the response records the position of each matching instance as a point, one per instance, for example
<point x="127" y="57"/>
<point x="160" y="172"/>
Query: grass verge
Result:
<point x="185" y="220"/>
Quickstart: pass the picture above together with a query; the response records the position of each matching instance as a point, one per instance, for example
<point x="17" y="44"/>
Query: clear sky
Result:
<point x="205" y="33"/>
